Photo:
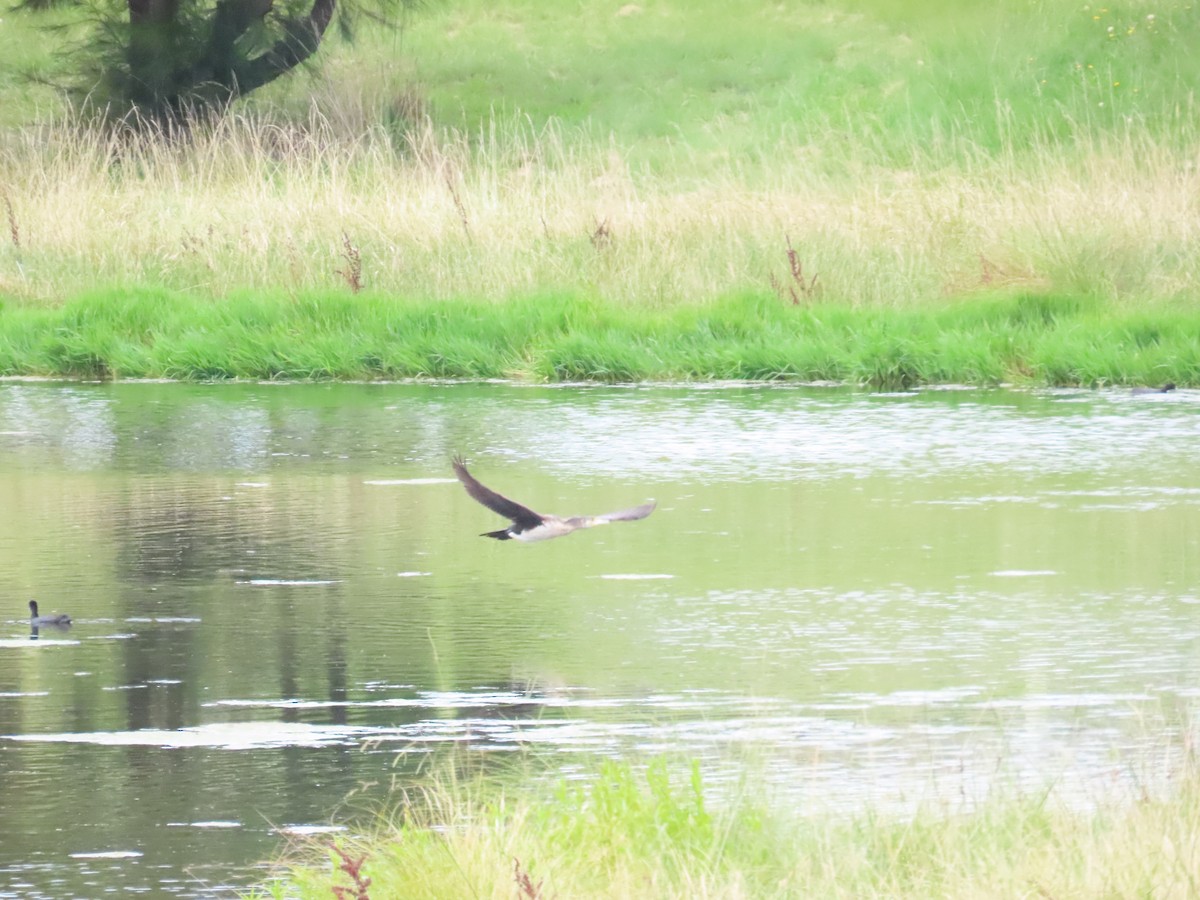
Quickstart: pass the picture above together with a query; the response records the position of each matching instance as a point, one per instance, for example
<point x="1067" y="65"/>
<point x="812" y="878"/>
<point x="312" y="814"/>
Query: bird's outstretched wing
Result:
<point x="628" y="515"/>
<point x="520" y="515"/>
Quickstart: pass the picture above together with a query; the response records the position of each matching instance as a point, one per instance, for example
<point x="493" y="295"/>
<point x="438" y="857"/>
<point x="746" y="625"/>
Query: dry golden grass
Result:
<point x="517" y="211"/>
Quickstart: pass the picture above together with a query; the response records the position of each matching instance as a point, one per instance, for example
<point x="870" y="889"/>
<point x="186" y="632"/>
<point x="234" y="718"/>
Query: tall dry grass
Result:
<point x="515" y="209"/>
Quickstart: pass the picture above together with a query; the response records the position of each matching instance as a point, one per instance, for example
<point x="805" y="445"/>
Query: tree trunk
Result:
<point x="175" y="74"/>
<point x="153" y="45"/>
<point x="301" y="40"/>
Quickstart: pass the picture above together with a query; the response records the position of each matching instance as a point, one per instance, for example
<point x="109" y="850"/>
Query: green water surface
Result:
<point x="282" y="605"/>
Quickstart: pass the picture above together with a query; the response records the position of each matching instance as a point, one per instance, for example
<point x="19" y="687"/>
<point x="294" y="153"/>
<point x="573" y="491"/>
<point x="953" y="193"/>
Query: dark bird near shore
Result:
<point x="35" y="619"/>
<point x="530" y="526"/>
<point x="1165" y="389"/>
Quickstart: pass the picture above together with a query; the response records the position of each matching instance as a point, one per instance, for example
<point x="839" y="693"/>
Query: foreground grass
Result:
<point x="1024" y="338"/>
<point x="655" y="832"/>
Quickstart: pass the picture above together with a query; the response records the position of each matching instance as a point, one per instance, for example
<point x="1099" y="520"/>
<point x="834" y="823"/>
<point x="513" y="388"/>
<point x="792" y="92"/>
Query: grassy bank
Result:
<point x="1036" y="339"/>
<point x="897" y="160"/>
<point x="628" y="832"/>
<point x="522" y="210"/>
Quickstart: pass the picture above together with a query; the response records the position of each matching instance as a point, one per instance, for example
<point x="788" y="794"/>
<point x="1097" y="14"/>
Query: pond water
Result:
<point x="282" y="605"/>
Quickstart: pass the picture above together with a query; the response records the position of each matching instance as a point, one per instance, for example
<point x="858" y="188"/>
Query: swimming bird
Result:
<point x="1165" y="389"/>
<point x="35" y="619"/>
<point x="530" y="526"/>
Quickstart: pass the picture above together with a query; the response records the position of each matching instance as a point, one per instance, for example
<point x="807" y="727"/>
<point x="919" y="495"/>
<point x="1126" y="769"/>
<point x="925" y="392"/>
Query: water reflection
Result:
<point x="281" y="600"/>
<point x="35" y="631"/>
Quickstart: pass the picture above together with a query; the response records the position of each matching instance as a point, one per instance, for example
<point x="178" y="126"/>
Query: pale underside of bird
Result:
<point x="528" y="525"/>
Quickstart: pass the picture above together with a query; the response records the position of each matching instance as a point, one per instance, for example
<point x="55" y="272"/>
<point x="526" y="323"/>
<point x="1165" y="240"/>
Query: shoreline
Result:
<point x="1018" y="339"/>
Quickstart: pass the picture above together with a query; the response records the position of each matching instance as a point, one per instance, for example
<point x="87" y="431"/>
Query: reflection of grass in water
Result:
<point x="1024" y="338"/>
<point x="631" y="831"/>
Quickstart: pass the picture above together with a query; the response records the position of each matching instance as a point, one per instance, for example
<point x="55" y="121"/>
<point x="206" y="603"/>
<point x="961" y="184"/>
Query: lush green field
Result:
<point x="862" y="161"/>
<point x="656" y="831"/>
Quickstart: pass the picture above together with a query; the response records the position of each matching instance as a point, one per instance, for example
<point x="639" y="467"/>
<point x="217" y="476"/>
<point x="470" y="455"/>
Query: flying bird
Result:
<point x="530" y="526"/>
<point x="35" y="619"/>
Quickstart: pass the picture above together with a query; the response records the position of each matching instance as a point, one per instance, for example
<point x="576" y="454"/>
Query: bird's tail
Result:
<point x="501" y="535"/>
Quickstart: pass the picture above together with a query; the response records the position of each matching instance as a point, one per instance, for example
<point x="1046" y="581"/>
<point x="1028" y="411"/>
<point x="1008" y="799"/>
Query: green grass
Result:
<point x="741" y="75"/>
<point x="656" y="831"/>
<point x="1022" y="338"/>
<point x="919" y="160"/>
<point x="901" y="79"/>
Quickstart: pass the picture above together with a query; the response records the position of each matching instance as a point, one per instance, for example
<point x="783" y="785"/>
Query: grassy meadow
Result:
<point x="655" y="830"/>
<point x="914" y="173"/>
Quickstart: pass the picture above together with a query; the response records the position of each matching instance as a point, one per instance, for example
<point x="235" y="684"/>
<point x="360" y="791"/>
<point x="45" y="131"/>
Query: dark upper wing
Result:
<point x="493" y="501"/>
<point x="629" y="515"/>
